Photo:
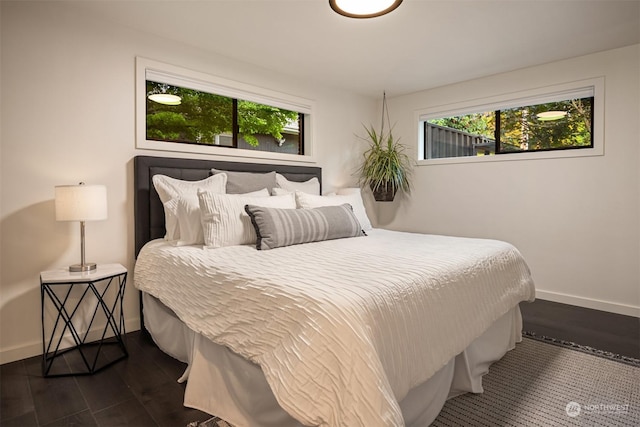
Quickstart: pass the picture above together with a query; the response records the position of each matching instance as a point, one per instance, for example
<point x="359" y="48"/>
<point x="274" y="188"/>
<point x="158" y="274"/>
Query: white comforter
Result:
<point x="342" y="329"/>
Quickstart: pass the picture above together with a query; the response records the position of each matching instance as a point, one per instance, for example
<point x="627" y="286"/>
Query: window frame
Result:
<point x="512" y="100"/>
<point x="147" y="69"/>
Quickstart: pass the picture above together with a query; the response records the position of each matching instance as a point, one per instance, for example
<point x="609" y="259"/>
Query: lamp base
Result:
<point x="79" y="268"/>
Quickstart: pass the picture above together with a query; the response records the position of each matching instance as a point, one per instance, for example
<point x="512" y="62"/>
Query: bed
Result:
<point x="375" y="330"/>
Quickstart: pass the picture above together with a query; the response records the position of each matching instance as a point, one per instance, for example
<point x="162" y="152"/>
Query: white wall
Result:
<point x="68" y="115"/>
<point x="576" y="220"/>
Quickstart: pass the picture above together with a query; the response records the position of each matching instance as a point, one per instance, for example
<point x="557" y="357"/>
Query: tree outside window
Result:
<point x="208" y="119"/>
<point x="566" y="124"/>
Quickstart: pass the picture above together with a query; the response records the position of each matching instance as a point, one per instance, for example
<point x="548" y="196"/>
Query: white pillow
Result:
<point x="308" y="201"/>
<point x="311" y="186"/>
<point x="171" y="219"/>
<point x="260" y="193"/>
<point x="171" y="189"/>
<point x="225" y="222"/>
<point x="281" y="192"/>
<point x="189" y="221"/>
<point x="190" y="218"/>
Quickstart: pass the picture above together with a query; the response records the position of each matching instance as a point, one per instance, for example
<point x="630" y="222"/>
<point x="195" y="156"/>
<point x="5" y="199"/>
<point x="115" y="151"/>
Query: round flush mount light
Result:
<point x="547" y="116"/>
<point x="165" y="98"/>
<point x="364" y="8"/>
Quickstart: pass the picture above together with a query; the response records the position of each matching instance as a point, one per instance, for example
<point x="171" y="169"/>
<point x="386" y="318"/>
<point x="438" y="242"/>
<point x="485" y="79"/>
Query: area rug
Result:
<point x="213" y="422"/>
<point x="545" y="382"/>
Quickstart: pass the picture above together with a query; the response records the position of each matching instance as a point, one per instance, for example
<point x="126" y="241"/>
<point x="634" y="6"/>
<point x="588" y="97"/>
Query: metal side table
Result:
<point x="78" y="299"/>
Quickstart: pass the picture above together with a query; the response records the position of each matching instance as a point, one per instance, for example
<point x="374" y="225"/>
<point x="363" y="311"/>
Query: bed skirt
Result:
<point x="224" y="384"/>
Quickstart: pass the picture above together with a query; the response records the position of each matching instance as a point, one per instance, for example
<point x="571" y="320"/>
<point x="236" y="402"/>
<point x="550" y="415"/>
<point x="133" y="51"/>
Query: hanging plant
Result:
<point x="386" y="167"/>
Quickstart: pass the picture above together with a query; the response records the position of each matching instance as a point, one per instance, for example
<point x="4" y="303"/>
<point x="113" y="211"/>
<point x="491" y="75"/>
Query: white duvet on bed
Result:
<point x="342" y="329"/>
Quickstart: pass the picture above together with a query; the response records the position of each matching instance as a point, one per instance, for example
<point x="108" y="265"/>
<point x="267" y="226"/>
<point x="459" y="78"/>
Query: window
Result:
<point x="190" y="116"/>
<point x="180" y="110"/>
<point x="551" y="123"/>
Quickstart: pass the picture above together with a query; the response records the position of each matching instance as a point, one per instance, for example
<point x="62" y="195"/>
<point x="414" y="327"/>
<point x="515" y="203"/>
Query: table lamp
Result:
<point x="81" y="203"/>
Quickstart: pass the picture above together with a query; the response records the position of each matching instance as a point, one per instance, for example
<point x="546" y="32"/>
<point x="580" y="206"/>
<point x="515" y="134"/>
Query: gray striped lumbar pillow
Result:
<point x="283" y="227"/>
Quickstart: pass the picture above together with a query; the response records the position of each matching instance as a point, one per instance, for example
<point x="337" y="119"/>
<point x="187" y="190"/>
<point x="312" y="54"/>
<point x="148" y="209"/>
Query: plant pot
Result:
<point x="384" y="193"/>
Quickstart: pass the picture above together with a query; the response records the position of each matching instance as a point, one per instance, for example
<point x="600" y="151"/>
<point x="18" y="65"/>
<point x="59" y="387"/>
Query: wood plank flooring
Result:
<point x="138" y="391"/>
<point x="610" y="332"/>
<point x="142" y="389"/>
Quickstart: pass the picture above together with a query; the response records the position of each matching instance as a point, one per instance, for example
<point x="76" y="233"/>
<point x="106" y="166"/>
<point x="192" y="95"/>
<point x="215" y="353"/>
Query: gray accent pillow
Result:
<point x="283" y="227"/>
<point x="246" y="182"/>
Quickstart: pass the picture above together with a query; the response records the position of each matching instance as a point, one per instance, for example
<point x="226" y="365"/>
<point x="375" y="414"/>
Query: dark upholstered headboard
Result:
<point x="149" y="213"/>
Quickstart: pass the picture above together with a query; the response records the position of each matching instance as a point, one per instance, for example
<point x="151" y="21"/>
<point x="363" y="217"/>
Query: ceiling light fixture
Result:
<point x="165" y="98"/>
<point x="547" y="116"/>
<point x="364" y="8"/>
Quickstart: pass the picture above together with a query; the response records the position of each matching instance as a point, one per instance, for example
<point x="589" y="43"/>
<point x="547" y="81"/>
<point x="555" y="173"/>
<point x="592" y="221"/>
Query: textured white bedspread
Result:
<point x="342" y="329"/>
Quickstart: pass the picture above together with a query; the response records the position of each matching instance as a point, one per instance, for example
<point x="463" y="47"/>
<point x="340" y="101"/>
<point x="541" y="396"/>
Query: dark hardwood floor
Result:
<point x="610" y="332"/>
<point x="138" y="391"/>
<point x="142" y="389"/>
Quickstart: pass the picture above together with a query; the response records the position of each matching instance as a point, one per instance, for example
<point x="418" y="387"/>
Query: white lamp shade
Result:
<point x="81" y="202"/>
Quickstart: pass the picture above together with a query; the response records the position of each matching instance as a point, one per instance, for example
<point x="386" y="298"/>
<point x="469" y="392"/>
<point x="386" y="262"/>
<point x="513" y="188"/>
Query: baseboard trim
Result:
<point x="35" y="348"/>
<point x="611" y="307"/>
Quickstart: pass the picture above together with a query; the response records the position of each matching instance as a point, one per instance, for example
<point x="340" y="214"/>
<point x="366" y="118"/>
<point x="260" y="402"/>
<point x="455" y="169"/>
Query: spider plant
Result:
<point x="386" y="167"/>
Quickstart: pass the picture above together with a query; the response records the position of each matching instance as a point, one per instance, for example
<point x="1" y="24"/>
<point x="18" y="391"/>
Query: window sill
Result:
<point x="561" y="154"/>
<point x="223" y="151"/>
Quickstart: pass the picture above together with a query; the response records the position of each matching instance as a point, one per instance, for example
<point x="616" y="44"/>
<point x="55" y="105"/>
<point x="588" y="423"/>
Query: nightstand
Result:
<point x="80" y="301"/>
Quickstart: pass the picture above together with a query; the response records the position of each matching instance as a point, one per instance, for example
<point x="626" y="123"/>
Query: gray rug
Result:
<point x="538" y="384"/>
<point x="213" y="422"/>
<point x="545" y="382"/>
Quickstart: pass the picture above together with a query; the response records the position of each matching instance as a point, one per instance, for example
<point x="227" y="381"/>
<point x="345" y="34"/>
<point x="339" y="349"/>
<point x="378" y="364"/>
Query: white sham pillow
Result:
<point x="308" y="201"/>
<point x="171" y="219"/>
<point x="260" y="193"/>
<point x="189" y="221"/>
<point x="190" y="218"/>
<point x="171" y="189"/>
<point x="311" y="186"/>
<point x="281" y="192"/>
<point x="225" y="222"/>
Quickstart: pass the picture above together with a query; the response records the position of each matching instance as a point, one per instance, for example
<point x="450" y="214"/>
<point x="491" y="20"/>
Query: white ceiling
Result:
<point x="420" y="45"/>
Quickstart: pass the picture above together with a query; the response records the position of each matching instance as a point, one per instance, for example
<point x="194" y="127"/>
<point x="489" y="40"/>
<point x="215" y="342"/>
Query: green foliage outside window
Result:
<point x="256" y="119"/>
<point x="202" y="116"/>
<point x="522" y="129"/>
<point x="482" y="124"/>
